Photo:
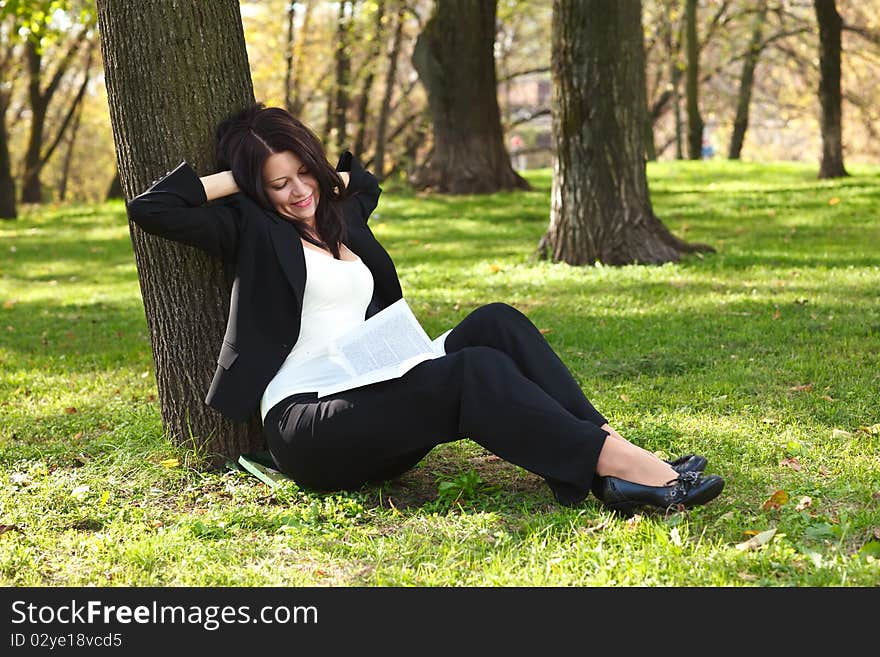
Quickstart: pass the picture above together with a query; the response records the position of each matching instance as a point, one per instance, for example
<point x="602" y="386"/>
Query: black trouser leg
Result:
<point x="507" y="329"/>
<point x="478" y="392"/>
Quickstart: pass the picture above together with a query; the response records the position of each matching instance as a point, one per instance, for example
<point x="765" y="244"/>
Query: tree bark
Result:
<point x="390" y="78"/>
<point x="295" y="101"/>
<point x="173" y="71"/>
<point x="600" y="205"/>
<point x="744" y="98"/>
<point x="695" y="121"/>
<point x="454" y="57"/>
<point x="831" y="120"/>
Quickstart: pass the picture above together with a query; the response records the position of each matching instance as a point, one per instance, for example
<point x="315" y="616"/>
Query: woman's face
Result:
<point x="290" y="186"/>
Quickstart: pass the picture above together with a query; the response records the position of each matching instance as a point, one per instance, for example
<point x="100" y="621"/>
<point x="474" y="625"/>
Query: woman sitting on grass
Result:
<point x="308" y="269"/>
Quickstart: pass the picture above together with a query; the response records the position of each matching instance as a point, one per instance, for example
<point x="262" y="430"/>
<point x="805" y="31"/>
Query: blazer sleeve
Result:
<point x="175" y="207"/>
<point x="363" y="187"/>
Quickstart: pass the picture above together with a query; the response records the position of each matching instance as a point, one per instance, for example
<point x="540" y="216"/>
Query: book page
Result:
<point x="385" y="346"/>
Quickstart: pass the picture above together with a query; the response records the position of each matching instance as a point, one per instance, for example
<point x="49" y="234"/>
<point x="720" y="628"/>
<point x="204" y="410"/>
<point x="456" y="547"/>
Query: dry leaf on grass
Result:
<point x="805" y="503"/>
<point x="776" y="500"/>
<point x="757" y="541"/>
<point x="792" y="463"/>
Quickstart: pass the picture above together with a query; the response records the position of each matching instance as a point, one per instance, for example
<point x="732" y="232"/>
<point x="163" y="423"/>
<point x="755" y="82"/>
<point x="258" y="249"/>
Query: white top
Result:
<point x="335" y="300"/>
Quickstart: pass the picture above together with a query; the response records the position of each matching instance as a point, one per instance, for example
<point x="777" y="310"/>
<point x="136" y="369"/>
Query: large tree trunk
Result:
<point x="829" y="89"/>
<point x="601" y="210"/>
<point x="173" y="71"/>
<point x="695" y="121"/>
<point x="455" y="60"/>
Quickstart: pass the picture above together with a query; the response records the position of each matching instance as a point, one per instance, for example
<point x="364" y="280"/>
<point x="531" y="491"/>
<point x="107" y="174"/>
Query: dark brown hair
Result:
<point x="246" y="139"/>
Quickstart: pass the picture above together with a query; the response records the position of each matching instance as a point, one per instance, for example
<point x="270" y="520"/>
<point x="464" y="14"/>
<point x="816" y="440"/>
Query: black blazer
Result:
<point x="270" y="271"/>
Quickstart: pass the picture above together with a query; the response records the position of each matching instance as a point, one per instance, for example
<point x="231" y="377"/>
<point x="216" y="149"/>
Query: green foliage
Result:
<point x="764" y="356"/>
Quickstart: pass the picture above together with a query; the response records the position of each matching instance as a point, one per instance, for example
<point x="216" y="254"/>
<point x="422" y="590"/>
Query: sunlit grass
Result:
<point x="764" y="356"/>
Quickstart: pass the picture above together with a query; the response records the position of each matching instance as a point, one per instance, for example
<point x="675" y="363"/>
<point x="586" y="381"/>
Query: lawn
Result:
<point x="764" y="356"/>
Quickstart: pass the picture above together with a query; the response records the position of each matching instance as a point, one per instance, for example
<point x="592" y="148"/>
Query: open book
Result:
<point x="386" y="346"/>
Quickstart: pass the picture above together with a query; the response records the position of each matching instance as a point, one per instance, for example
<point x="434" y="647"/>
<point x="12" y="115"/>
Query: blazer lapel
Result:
<point x="289" y="250"/>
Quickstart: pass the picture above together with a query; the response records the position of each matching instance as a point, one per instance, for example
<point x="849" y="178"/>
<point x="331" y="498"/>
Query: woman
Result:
<point x="308" y="268"/>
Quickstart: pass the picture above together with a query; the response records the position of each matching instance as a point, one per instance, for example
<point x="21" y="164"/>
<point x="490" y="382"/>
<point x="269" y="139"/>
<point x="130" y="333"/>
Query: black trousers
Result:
<point x="500" y="385"/>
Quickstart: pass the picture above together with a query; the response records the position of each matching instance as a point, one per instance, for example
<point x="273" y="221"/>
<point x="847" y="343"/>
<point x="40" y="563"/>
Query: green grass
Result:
<point x="764" y="356"/>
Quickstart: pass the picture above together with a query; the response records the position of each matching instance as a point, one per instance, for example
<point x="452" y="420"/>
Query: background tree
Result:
<point x="40" y="95"/>
<point x="455" y="60"/>
<point x="746" y="82"/>
<point x="600" y="205"/>
<point x="8" y="65"/>
<point x="692" y="87"/>
<point x="165" y="96"/>
<point x="831" y="120"/>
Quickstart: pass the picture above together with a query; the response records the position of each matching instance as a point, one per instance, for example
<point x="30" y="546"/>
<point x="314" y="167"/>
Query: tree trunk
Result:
<point x="288" y="56"/>
<point x="343" y="72"/>
<point x="741" y="122"/>
<point x="115" y="188"/>
<point x="390" y="78"/>
<point x="370" y="64"/>
<point x="31" y="189"/>
<point x="831" y="120"/>
<point x="173" y="71"/>
<point x="454" y="57"/>
<point x="601" y="209"/>
<point x="8" y="209"/>
<point x="695" y="121"/>
<point x="294" y="99"/>
<point x="40" y="99"/>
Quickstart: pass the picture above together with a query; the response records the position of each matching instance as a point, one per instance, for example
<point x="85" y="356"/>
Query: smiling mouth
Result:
<point x="304" y="203"/>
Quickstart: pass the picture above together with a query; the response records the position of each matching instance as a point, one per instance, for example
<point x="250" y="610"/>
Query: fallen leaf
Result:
<point x="10" y="528"/>
<point x="840" y="433"/>
<point x="792" y="463"/>
<point x="170" y="463"/>
<point x="776" y="500"/>
<point x="877" y="533"/>
<point x="748" y="577"/>
<point x="805" y="503"/>
<point x="827" y="398"/>
<point x="833" y="200"/>
<point x="806" y="387"/>
<point x="78" y="435"/>
<point x="70" y="410"/>
<point x="80" y="491"/>
<point x="545" y="331"/>
<point x="757" y="541"/>
<point x="20" y="478"/>
<point x="873" y="429"/>
<point x="9" y="304"/>
<point x="768" y="420"/>
<point x="823" y="471"/>
<point x="776" y="313"/>
<point x="624" y="397"/>
<point x="494" y="268"/>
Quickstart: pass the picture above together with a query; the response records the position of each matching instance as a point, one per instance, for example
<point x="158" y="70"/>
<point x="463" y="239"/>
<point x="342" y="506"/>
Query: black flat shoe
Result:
<point x="689" y="463"/>
<point x="689" y="489"/>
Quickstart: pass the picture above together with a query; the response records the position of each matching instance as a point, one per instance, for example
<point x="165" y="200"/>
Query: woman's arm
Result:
<point x="219" y="184"/>
<point x="176" y="207"/>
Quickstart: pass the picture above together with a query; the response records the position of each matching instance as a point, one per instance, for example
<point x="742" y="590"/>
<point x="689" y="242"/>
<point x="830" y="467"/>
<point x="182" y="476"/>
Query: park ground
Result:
<point x="764" y="356"/>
